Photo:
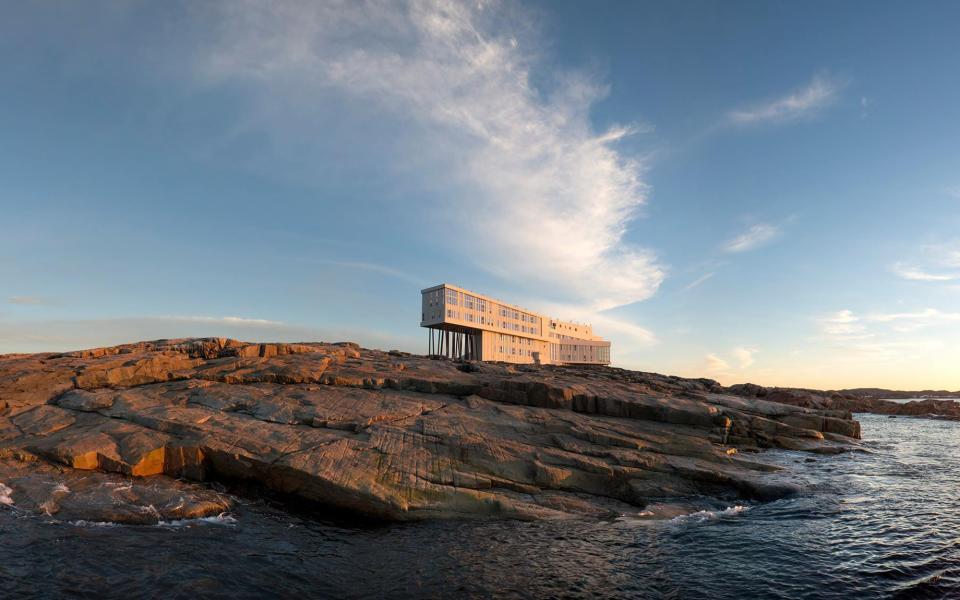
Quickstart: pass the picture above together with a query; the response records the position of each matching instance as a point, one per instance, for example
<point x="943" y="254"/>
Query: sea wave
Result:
<point x="221" y="519"/>
<point x="5" y="492"/>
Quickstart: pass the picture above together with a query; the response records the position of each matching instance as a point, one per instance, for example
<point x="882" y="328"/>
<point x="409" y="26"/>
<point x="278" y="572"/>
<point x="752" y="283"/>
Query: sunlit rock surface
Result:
<point x="34" y="486"/>
<point x="386" y="435"/>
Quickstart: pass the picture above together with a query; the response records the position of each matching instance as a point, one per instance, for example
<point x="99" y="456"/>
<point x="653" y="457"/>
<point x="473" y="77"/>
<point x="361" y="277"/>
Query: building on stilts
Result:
<point x="465" y="325"/>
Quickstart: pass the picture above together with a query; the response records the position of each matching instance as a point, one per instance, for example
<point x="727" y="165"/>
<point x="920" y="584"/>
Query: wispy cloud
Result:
<point x="30" y="300"/>
<point x="889" y="350"/>
<point x="953" y="191"/>
<point x="730" y="364"/>
<point x="804" y="102"/>
<point x="698" y="281"/>
<point x="542" y="198"/>
<point x="622" y="332"/>
<point x="756" y="236"/>
<point x="945" y="254"/>
<point x="744" y="356"/>
<point x="369" y="266"/>
<point x="927" y="316"/>
<point x="843" y="324"/>
<point x="221" y="320"/>
<point x="911" y="273"/>
<point x="887" y="331"/>
<point x="715" y="364"/>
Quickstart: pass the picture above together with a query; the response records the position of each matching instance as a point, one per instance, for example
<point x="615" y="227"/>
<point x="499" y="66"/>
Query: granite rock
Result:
<point x="391" y="435"/>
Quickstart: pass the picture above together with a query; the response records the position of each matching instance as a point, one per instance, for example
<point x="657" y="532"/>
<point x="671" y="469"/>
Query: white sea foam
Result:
<point x="85" y="523"/>
<point x="709" y="515"/>
<point x="221" y="519"/>
<point x="5" y="495"/>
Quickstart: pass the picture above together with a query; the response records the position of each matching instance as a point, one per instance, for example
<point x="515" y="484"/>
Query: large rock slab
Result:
<point x="32" y="486"/>
<point x="392" y="435"/>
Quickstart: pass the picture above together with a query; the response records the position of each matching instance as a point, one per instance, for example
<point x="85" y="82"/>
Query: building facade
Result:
<point x="464" y="324"/>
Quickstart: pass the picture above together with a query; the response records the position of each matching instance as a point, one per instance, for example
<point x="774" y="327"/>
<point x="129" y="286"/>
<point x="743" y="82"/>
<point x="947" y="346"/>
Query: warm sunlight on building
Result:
<point x="464" y="324"/>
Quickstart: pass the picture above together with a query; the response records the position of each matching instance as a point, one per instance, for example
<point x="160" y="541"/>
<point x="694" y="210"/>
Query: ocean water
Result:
<point x="884" y="523"/>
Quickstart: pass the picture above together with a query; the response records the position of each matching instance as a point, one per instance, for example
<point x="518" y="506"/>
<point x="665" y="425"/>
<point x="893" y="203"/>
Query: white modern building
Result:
<point x="464" y="324"/>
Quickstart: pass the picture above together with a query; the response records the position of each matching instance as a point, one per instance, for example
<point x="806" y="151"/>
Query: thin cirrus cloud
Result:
<point x="756" y="236"/>
<point x="698" y="281"/>
<point x="910" y="273"/>
<point x="369" y="266"/>
<point x="802" y="103"/>
<point x="216" y="320"/>
<point x="944" y="255"/>
<point x="843" y="324"/>
<point x="30" y="300"/>
<point x="846" y="327"/>
<point x="929" y="316"/>
<point x="462" y="73"/>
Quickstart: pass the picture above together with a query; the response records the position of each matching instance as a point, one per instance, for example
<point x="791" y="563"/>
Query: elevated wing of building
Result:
<point x="464" y="324"/>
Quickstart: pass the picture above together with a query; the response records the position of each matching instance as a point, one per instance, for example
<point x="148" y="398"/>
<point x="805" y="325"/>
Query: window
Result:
<point x="451" y="297"/>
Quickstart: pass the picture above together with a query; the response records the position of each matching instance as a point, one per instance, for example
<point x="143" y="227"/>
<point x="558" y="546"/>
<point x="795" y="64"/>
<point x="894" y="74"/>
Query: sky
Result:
<point x="747" y="191"/>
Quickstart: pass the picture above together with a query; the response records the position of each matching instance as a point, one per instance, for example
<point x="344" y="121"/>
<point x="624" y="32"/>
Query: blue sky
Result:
<point x="749" y="191"/>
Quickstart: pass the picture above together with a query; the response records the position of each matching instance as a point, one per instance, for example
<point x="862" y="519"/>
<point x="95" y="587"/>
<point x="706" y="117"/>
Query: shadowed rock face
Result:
<point x="389" y="435"/>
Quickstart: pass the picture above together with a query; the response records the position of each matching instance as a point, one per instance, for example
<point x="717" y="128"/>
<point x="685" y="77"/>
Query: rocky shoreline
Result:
<point x="866" y="401"/>
<point x="131" y="433"/>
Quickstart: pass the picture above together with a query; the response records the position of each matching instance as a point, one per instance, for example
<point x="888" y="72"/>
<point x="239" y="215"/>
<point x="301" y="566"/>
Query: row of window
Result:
<point x="482" y="320"/>
<point x="480" y="305"/>
<point x="434" y="298"/>
<point x="575" y="328"/>
<point x="579" y="353"/>
<point x="560" y="336"/>
<point x="455" y="298"/>
<point x="518" y="327"/>
<point x="513" y="345"/>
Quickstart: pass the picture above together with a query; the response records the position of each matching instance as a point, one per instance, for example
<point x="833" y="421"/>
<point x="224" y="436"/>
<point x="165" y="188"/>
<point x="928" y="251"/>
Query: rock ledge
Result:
<point x="387" y="435"/>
